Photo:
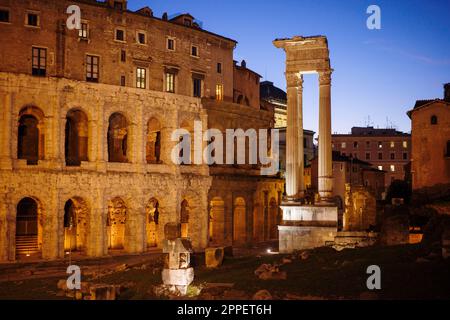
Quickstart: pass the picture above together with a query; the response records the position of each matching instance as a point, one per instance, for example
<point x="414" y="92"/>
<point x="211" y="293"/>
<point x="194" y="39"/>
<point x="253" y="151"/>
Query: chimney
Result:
<point x="447" y="92"/>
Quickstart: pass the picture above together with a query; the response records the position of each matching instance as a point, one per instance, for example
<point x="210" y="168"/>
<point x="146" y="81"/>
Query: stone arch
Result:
<point x="152" y="212"/>
<point x="118" y="134"/>
<point x="217" y="221"/>
<point x="273" y="219"/>
<point x="76" y="225"/>
<point x="239" y="221"/>
<point x="29" y="228"/>
<point x="30" y="135"/>
<point x="184" y="218"/>
<point x="76" y="137"/>
<point x="153" y="147"/>
<point x="116" y="223"/>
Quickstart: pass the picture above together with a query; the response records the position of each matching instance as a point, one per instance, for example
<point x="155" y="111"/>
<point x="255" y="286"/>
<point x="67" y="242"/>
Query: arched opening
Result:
<point x="75" y="225"/>
<point x="187" y="137"/>
<point x="239" y="221"/>
<point x="152" y="224"/>
<point x="116" y="222"/>
<point x="217" y="221"/>
<point x="434" y="120"/>
<point x="273" y="219"/>
<point x="184" y="219"/>
<point x="76" y="142"/>
<point x="28" y="228"/>
<point x="153" y="141"/>
<point x="117" y="138"/>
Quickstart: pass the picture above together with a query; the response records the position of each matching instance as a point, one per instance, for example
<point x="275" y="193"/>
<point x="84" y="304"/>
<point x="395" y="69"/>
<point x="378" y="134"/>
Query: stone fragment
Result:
<point x="304" y="255"/>
<point x="262" y="295"/>
<point x="214" y="257"/>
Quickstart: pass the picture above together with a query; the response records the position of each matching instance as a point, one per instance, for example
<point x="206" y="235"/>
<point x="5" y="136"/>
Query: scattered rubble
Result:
<point x="270" y="272"/>
<point x="262" y="295"/>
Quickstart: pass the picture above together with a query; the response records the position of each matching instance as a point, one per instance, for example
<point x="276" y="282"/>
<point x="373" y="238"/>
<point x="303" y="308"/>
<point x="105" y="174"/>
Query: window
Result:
<point x="83" y="32"/>
<point x="33" y="19"/>
<point x="392" y="144"/>
<point x="343" y="145"/>
<point x="92" y="68"/>
<point x="123" y="56"/>
<point x="380" y="156"/>
<point x="448" y="149"/>
<point x="405" y="156"/>
<point x="355" y="145"/>
<point x="434" y="120"/>
<point x="120" y="35"/>
<point x="380" y="168"/>
<point x="194" y="51"/>
<point x="197" y="82"/>
<point x="219" y="68"/>
<point x="170" y="82"/>
<point x="368" y="144"/>
<point x="405" y="144"/>
<point x="392" y="156"/>
<point x="39" y="67"/>
<point x="187" y="22"/>
<point x="122" y="81"/>
<point x="219" y="92"/>
<point x="4" y="15"/>
<point x="118" y="5"/>
<point x="367" y="155"/>
<point x="142" y="38"/>
<point x="392" y="168"/>
<point x="171" y="44"/>
<point x="141" y="76"/>
<point x="380" y="145"/>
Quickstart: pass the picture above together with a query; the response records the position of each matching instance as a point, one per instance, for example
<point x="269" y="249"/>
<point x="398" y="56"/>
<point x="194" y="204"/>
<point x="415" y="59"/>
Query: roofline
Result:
<point x="409" y="113"/>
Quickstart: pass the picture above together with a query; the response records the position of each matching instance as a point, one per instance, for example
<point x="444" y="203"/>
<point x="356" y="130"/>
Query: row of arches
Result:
<point x="31" y="137"/>
<point x="76" y="223"/>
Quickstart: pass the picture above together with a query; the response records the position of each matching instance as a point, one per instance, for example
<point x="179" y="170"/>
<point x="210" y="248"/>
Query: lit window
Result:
<point x="343" y="145"/>
<point x="392" y="168"/>
<point x="380" y="168"/>
<point x="380" y="145"/>
<point x="392" y="144"/>
<point x="197" y="84"/>
<point x="92" y="68"/>
<point x="194" y="51"/>
<point x="33" y="19"/>
<point x="120" y="35"/>
<point x="219" y="92"/>
<point x="405" y="144"/>
<point x="141" y="38"/>
<point x="171" y="44"/>
<point x="4" y="15"/>
<point x="170" y="82"/>
<point x="141" y="77"/>
<point x="39" y="62"/>
<point x="83" y="32"/>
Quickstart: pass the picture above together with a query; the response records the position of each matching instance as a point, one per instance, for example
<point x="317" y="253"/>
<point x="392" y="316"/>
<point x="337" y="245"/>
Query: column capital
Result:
<point x="294" y="80"/>
<point x="325" y="77"/>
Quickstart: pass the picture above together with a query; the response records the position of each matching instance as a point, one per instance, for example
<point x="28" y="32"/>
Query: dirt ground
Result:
<point x="407" y="272"/>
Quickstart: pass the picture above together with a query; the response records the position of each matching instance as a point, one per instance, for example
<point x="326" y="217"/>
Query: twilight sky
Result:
<point x="378" y="73"/>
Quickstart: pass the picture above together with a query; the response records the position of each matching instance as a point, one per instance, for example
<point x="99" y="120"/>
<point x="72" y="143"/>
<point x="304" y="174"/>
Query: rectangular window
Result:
<point x="33" y="19"/>
<point x="392" y="144"/>
<point x="380" y="168"/>
<point x="142" y="39"/>
<point x="39" y="64"/>
<point x="170" y="82"/>
<point x="405" y="144"/>
<point x="380" y="145"/>
<point x="123" y="56"/>
<point x="367" y="155"/>
<point x="392" y="168"/>
<point x="92" y="68"/>
<point x="122" y="81"/>
<point x="83" y="32"/>
<point x="197" y="87"/>
<point x="343" y="145"/>
<point x="405" y="156"/>
<point x="120" y="35"/>
<point x="194" y="51"/>
<point x="171" y="44"/>
<point x="219" y="92"/>
<point x="368" y="144"/>
<point x="380" y="156"/>
<point x="141" y="77"/>
<point x="355" y="145"/>
<point x="392" y="156"/>
<point x="4" y="15"/>
<point x="219" y="68"/>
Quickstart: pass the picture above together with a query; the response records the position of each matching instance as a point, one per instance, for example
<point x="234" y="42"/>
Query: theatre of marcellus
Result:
<point x="86" y="118"/>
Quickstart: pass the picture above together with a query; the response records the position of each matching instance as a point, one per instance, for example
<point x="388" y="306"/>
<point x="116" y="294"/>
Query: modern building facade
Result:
<point x="86" y="124"/>
<point x="386" y="149"/>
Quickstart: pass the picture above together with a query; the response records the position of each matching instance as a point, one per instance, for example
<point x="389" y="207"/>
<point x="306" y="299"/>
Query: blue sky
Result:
<point x="378" y="73"/>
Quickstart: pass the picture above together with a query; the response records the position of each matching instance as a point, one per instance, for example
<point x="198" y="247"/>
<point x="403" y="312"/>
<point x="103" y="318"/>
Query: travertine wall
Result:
<point x="96" y="181"/>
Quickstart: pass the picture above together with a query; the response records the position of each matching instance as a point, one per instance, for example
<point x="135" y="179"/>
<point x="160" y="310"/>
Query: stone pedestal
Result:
<point x="307" y="227"/>
<point x="178" y="280"/>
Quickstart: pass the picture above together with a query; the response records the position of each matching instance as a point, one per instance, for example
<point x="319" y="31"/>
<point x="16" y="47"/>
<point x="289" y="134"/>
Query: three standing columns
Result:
<point x="295" y="187"/>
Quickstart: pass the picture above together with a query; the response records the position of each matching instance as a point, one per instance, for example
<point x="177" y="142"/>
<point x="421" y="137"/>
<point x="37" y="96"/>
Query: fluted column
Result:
<point x="300" y="144"/>
<point x="293" y="174"/>
<point x="325" y="151"/>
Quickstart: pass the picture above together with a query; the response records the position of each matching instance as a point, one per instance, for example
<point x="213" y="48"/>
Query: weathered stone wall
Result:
<point x="360" y="209"/>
